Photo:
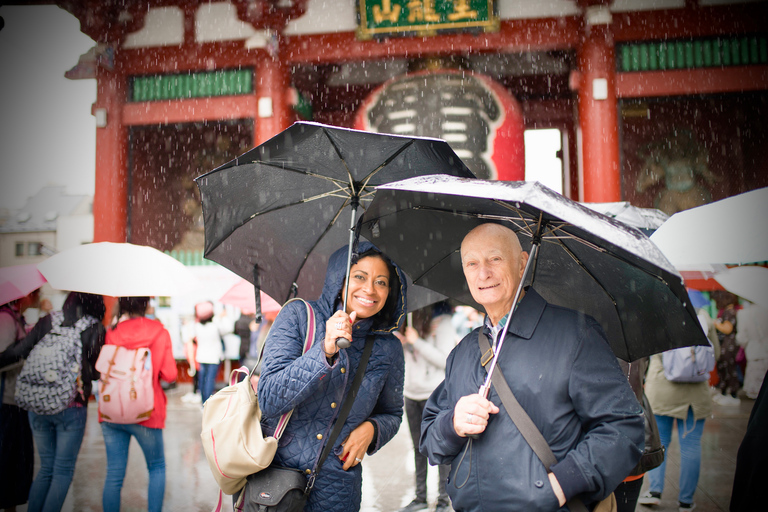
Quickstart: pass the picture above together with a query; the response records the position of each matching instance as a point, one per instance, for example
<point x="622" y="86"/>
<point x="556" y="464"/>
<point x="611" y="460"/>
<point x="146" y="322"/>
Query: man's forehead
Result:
<point x="491" y="235"/>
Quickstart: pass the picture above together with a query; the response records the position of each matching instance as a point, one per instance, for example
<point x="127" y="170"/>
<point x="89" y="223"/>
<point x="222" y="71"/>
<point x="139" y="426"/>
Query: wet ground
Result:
<point x="387" y="476"/>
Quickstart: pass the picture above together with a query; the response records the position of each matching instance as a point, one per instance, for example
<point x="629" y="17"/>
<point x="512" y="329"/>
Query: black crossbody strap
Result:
<point x="346" y="406"/>
<point x="523" y="422"/>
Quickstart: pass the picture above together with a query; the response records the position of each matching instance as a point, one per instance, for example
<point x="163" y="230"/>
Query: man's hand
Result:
<point x="556" y="488"/>
<point x="470" y="416"/>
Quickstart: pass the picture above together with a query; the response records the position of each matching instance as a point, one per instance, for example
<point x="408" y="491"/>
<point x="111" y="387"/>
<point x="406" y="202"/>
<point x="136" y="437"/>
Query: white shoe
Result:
<point x="726" y="400"/>
<point x="650" y="499"/>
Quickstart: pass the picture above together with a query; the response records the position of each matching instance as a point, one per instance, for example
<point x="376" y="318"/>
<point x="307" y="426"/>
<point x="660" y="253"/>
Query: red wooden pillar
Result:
<point x="272" y="92"/>
<point x="110" y="200"/>
<point x="598" y="112"/>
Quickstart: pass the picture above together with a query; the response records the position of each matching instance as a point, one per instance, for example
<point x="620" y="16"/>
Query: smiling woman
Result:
<point x="316" y="383"/>
<point x="41" y="108"/>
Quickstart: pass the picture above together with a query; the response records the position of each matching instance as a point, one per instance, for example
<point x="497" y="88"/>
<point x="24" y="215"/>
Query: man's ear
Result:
<point x="523" y="262"/>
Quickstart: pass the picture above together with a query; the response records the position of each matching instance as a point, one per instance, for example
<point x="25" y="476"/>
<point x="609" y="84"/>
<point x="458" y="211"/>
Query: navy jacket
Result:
<point x="564" y="374"/>
<point x="315" y="390"/>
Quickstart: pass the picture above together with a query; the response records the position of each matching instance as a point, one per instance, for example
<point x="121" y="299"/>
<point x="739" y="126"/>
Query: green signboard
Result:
<point x="393" y="17"/>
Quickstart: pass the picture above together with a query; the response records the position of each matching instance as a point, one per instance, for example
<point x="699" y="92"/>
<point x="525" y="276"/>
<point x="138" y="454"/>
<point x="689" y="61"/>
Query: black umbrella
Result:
<point x="580" y="259"/>
<point x="275" y="214"/>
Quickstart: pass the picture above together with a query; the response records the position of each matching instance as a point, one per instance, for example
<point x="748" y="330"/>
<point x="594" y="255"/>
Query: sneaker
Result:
<point x="726" y="400"/>
<point x="443" y="507"/>
<point x="650" y="498"/>
<point x="686" y="507"/>
<point x="415" y="506"/>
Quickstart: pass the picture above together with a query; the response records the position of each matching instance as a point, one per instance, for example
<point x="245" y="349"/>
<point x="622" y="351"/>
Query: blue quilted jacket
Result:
<point x="315" y="390"/>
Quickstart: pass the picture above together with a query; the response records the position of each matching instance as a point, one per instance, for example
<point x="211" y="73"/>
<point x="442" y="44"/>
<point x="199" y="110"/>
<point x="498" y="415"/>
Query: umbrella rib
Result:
<point x="317" y="241"/>
<point x="385" y="163"/>
<point x="338" y="153"/>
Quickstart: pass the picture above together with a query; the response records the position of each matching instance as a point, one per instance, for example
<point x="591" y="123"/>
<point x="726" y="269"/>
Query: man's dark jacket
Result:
<point x="562" y="371"/>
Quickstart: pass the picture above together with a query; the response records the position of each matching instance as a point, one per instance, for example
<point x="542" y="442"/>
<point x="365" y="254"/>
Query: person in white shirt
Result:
<point x="753" y="336"/>
<point x="426" y="345"/>
<point x="208" y="333"/>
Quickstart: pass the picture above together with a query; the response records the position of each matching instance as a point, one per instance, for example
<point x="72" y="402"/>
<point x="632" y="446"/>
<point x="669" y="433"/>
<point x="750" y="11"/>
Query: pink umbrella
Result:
<point x="243" y="296"/>
<point x="18" y="281"/>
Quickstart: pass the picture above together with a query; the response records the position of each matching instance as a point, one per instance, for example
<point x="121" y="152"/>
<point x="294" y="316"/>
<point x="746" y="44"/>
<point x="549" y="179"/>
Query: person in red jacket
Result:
<point x="133" y="331"/>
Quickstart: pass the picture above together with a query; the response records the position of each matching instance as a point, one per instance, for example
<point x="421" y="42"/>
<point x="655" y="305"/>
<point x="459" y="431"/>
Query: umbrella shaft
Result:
<point x="343" y="342"/>
<point x="485" y="388"/>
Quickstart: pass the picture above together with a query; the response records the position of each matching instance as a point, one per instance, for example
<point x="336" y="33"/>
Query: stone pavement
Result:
<point x="387" y="475"/>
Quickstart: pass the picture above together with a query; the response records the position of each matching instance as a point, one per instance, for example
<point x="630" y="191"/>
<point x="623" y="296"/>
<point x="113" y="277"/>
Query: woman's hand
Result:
<point x="337" y="326"/>
<point x="354" y="447"/>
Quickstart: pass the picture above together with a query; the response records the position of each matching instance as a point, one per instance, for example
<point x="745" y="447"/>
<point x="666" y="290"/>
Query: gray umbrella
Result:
<point x="580" y="259"/>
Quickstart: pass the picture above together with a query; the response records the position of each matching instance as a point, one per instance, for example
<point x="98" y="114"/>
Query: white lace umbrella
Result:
<point x="118" y="270"/>
<point x="730" y="231"/>
<point x="749" y="282"/>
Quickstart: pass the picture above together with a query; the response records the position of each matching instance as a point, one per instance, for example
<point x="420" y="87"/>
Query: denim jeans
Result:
<point x="207" y="382"/>
<point x="117" y="438"/>
<point x="58" y="438"/>
<point x="689" y="435"/>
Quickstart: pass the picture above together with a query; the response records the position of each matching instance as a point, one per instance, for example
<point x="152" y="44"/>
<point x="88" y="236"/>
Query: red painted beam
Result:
<point x="189" y="111"/>
<point x="178" y="59"/>
<point x="670" y="24"/>
<point x="681" y="82"/>
<point x="513" y="36"/>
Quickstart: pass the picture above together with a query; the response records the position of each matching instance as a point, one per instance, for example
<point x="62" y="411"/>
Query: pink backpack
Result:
<point x="126" y="394"/>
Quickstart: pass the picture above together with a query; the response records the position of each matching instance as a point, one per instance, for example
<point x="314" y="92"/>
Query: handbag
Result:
<point x="234" y="444"/>
<point x="281" y="489"/>
<point x="531" y="433"/>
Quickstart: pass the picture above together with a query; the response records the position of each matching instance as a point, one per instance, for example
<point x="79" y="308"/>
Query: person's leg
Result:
<point x="151" y="442"/>
<point x="656" y="476"/>
<point x="689" y="433"/>
<point x="414" y="410"/>
<point x="116" y="442"/>
<point x="627" y="494"/>
<point x="444" y="471"/>
<point x="44" y="434"/>
<point x="207" y="379"/>
<point x="70" y="428"/>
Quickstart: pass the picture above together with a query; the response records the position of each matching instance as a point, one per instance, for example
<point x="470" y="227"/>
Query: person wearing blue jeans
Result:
<point x="207" y="379"/>
<point x="116" y="441"/>
<point x="689" y="435"/>
<point x="58" y="438"/>
<point x="134" y="332"/>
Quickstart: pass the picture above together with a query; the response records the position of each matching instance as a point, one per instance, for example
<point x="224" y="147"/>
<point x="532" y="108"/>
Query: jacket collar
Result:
<point x="527" y="315"/>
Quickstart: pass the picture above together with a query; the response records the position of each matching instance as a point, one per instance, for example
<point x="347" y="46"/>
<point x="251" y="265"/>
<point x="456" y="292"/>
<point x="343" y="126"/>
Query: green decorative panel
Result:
<point x="204" y="84"/>
<point x="191" y="258"/>
<point x="697" y="53"/>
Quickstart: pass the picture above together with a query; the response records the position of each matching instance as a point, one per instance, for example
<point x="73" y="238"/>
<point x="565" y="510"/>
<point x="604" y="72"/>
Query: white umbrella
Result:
<point x="648" y="219"/>
<point x="118" y="270"/>
<point x="732" y="231"/>
<point x="750" y="283"/>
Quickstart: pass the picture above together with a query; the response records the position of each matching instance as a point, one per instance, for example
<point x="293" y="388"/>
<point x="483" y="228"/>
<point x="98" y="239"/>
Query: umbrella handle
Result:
<point x="343" y="343"/>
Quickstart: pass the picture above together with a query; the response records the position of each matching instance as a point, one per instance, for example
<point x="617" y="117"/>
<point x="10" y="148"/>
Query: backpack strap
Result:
<point x="309" y="338"/>
<point x="523" y="422"/>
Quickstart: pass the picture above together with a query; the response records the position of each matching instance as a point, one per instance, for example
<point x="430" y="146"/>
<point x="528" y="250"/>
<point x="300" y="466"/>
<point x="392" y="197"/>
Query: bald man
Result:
<point x="561" y="369"/>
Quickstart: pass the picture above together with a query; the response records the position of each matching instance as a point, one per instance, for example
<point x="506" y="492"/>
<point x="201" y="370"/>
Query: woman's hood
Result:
<point x="334" y="282"/>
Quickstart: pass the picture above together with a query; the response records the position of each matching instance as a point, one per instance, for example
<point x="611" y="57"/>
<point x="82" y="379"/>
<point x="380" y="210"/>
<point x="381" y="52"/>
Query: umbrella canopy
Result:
<point x="18" y="281"/>
<point x="750" y="283"/>
<point x="586" y="261"/>
<point x="730" y="231"/>
<point x="243" y="296"/>
<point x="646" y="220"/>
<point x="118" y="270"/>
<point x="275" y="214"/>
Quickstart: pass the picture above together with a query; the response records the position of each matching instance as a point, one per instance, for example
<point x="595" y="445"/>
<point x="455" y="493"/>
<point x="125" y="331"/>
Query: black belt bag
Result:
<point x="276" y="489"/>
